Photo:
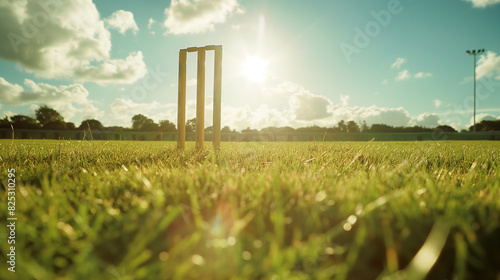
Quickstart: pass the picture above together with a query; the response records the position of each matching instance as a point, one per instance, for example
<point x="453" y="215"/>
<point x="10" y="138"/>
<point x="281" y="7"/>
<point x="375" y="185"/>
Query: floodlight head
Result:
<point x="474" y="52"/>
<point x="482" y="50"/>
<point x="468" y="52"/>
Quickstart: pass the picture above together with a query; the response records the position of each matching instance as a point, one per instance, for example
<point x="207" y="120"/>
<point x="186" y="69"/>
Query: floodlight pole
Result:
<point x="474" y="53"/>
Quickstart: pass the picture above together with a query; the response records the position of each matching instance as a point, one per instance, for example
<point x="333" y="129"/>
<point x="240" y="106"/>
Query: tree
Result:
<point x="414" y="129"/>
<point x="138" y="120"/>
<point x="92" y="123"/>
<point x="342" y="126"/>
<point x="24" y="122"/>
<point x="334" y="129"/>
<point x="46" y="115"/>
<point x="352" y="127"/>
<point x="270" y="130"/>
<point x="249" y="130"/>
<point x="444" y="128"/>
<point x="364" y="127"/>
<point x="166" y="125"/>
<point x="209" y="129"/>
<point x="286" y="129"/>
<point x="311" y="129"/>
<point x="70" y="125"/>
<point x="191" y="125"/>
<point x="141" y="122"/>
<point x="150" y="125"/>
<point x="226" y="129"/>
<point x="486" y="125"/>
<point x="55" y="125"/>
<point x="5" y="122"/>
<point x="381" y="128"/>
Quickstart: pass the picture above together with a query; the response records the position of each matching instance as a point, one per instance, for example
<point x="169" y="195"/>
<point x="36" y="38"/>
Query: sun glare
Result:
<point x="254" y="69"/>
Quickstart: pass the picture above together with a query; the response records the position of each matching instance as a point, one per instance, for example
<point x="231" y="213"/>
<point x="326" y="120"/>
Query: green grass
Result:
<point x="143" y="210"/>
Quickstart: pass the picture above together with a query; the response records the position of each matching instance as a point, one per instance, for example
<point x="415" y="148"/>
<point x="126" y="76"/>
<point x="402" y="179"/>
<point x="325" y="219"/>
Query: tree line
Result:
<point x="48" y="118"/>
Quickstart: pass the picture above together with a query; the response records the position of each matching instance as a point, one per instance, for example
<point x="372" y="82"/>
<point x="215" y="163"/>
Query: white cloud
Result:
<point x="305" y="106"/>
<point x="7" y="114"/>
<point x="125" y="71"/>
<point x="422" y="75"/>
<point x="482" y="117"/>
<point x="319" y="110"/>
<point x="285" y="87"/>
<point x="263" y="116"/>
<point x="308" y="109"/>
<point x="10" y="93"/>
<point x="488" y="65"/>
<point x="15" y="94"/>
<point x="344" y="99"/>
<point x="437" y="103"/>
<point x="122" y="21"/>
<point x="122" y="111"/>
<point x="403" y="75"/>
<point x="372" y="115"/>
<point x="376" y="115"/>
<point x="400" y="61"/>
<point x="429" y="120"/>
<point x="69" y="101"/>
<point x="151" y="21"/>
<point x="483" y="3"/>
<point x="467" y="80"/>
<point x="299" y="108"/>
<point x="191" y="82"/>
<point x="384" y="82"/>
<point x="59" y="40"/>
<point x="197" y="16"/>
<point x="33" y="108"/>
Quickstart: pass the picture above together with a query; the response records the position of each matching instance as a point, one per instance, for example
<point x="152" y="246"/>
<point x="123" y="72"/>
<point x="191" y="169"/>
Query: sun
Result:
<point x="254" y="68"/>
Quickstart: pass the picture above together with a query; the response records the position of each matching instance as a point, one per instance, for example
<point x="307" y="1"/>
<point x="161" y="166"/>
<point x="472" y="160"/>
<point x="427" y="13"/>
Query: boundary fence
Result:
<point x="243" y="137"/>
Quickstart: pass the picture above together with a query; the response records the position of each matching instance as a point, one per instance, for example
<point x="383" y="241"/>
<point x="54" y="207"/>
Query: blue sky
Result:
<point x="286" y="63"/>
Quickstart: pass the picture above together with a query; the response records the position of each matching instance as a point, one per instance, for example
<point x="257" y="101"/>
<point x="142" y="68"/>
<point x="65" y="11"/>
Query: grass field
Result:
<point x="143" y="210"/>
